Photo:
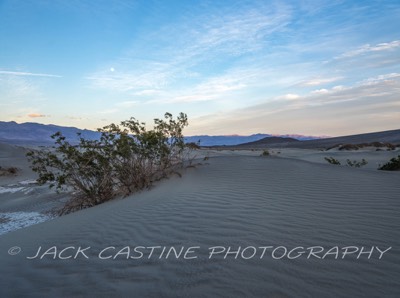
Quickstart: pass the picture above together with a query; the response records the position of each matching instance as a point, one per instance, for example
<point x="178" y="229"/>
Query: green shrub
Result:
<point x="392" y="165"/>
<point x="356" y="164"/>
<point x="349" y="147"/>
<point x="8" y="171"/>
<point x="389" y="146"/>
<point x="193" y="145"/>
<point x="332" y="161"/>
<point x="265" y="153"/>
<point x="125" y="159"/>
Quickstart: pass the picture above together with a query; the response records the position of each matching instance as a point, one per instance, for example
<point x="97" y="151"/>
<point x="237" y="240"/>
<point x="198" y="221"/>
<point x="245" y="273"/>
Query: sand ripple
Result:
<point x="233" y="201"/>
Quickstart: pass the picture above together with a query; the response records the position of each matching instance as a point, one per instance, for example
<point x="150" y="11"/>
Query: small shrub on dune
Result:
<point x="349" y="147"/>
<point x="193" y="146"/>
<point x="265" y="153"/>
<point x="332" y="161"/>
<point x="392" y="165"/>
<point x="8" y="171"/>
<point x="189" y="152"/>
<point x="356" y="164"/>
<point x="389" y="146"/>
<point x="332" y="147"/>
<point x="125" y="159"/>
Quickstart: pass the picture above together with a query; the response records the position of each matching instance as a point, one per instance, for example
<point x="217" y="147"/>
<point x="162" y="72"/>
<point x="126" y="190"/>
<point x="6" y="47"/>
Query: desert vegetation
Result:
<point x="332" y="161"/>
<point x="350" y="163"/>
<point x="8" y="171"/>
<point x="378" y="145"/>
<point x="125" y="159"/>
<point x="392" y="165"/>
<point x="356" y="164"/>
<point x="265" y="153"/>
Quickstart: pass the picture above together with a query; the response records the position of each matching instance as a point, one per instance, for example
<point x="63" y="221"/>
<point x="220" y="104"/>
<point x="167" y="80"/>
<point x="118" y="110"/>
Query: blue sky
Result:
<point x="235" y="67"/>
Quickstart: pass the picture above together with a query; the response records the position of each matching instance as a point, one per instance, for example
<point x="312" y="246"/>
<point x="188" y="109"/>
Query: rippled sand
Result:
<point x="234" y="201"/>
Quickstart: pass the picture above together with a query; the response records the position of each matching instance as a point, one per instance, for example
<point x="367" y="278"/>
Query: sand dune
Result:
<point x="22" y="201"/>
<point x="234" y="201"/>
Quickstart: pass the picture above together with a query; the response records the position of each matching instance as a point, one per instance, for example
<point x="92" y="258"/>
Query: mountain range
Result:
<point x="31" y="133"/>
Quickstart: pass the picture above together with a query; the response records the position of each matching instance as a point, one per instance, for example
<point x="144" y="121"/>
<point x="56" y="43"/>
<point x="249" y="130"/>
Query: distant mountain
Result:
<point x="39" y="134"/>
<point x="390" y="136"/>
<point x="232" y="140"/>
<point x="282" y="141"/>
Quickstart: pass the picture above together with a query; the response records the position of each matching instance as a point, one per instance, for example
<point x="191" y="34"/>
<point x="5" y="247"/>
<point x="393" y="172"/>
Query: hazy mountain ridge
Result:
<point x="389" y="136"/>
<point x="206" y="140"/>
<point x="36" y="133"/>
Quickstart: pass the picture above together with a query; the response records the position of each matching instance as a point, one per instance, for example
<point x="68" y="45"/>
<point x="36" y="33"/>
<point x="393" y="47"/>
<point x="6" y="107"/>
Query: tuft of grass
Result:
<point x="392" y="165"/>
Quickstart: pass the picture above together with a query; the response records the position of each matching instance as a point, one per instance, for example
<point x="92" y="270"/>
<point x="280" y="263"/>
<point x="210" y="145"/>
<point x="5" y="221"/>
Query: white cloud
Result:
<point x="320" y="91"/>
<point x="289" y="96"/>
<point x="368" y="48"/>
<point x="29" y="74"/>
<point x="155" y="76"/>
<point x="338" y="88"/>
<point x="318" y="81"/>
<point x="18" y="88"/>
<point x="230" y="33"/>
<point x="240" y="33"/>
<point x="380" y="78"/>
<point x="215" y="88"/>
<point x="325" y="107"/>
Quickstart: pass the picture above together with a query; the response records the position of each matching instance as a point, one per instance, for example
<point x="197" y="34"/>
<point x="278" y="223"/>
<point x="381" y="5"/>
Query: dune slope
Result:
<point x="234" y="201"/>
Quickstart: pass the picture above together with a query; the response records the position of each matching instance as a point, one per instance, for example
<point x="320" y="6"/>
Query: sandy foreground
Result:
<point x="239" y="225"/>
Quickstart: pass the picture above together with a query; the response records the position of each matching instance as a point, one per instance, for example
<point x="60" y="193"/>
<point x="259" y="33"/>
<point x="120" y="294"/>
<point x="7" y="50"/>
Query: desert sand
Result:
<point x="235" y="201"/>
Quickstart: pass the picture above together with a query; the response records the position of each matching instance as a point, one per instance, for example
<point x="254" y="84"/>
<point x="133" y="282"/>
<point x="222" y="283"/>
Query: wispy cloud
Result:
<point x="213" y="88"/>
<point x="289" y="96"/>
<point x="18" y="88"/>
<point x="385" y="77"/>
<point x="153" y="76"/>
<point x="194" y="52"/>
<point x="318" y="81"/>
<point x="29" y="74"/>
<point x="77" y="118"/>
<point x="37" y="115"/>
<point x="370" y="48"/>
<point x="351" y="106"/>
<point x="242" y="32"/>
